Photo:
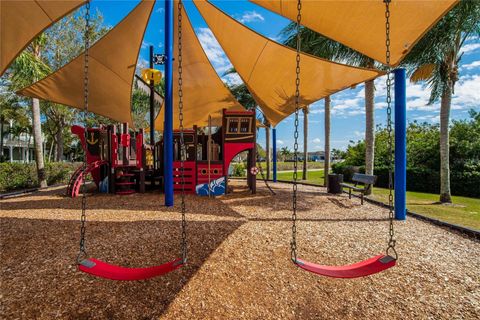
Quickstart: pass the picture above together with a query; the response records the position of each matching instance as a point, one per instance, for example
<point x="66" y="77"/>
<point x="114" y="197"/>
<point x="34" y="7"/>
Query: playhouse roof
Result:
<point x="22" y="21"/>
<point x="268" y="68"/>
<point x="360" y="25"/>
<point x="204" y="93"/>
<point x="111" y="71"/>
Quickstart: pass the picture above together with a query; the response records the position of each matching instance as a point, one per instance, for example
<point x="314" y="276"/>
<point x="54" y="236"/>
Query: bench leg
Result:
<point x="349" y="193"/>
<point x="361" y="197"/>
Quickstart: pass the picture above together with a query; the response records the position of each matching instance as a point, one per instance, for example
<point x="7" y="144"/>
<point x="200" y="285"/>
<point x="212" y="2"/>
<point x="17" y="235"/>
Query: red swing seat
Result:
<point x="360" y="269"/>
<point x="109" y="271"/>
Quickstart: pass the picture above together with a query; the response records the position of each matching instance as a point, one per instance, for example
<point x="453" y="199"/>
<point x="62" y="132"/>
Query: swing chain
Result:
<point x="82" y="254"/>
<point x="293" y="244"/>
<point x="182" y="140"/>
<point x="391" y="232"/>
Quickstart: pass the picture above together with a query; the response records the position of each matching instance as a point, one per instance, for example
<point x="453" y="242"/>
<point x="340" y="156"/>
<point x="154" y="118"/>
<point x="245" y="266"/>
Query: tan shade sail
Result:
<point x="360" y="24"/>
<point x="204" y="93"/>
<point x="268" y="68"/>
<point x="22" y="20"/>
<point x="112" y="61"/>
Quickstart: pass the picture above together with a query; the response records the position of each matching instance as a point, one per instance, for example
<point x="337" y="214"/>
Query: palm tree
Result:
<point x="285" y="152"/>
<point x="326" y="164"/>
<point x="305" y="142"/>
<point x="435" y="59"/>
<point x="323" y="47"/>
<point x="27" y="69"/>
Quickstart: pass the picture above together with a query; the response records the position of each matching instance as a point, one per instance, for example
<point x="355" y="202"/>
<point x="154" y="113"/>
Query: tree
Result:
<point x="285" y="152"/>
<point x="26" y="69"/>
<point x="326" y="164"/>
<point x="435" y="59"/>
<point x="323" y="47"/>
<point x="63" y="42"/>
<point x="305" y="142"/>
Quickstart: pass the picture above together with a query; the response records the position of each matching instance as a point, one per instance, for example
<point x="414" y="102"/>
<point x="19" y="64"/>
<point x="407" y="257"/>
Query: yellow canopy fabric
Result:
<point x="204" y="93"/>
<point x="268" y="68"/>
<point x="111" y="71"/>
<point x="21" y="21"/>
<point x="360" y="25"/>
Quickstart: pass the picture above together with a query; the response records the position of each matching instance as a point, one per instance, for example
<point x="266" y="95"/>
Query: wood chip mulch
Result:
<point x="239" y="259"/>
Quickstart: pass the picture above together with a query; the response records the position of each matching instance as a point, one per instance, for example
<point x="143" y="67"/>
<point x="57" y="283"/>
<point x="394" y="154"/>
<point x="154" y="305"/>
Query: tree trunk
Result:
<point x="305" y="142"/>
<point x="37" y="139"/>
<point x="369" y="127"/>
<point x="326" y="164"/>
<point x="445" y="193"/>
<point x="2" y="119"/>
<point x="59" y="155"/>
<point x="267" y="151"/>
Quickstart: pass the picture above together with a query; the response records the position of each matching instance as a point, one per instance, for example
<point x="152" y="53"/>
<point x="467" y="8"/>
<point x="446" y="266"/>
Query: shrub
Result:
<point x="239" y="169"/>
<point x="421" y="179"/>
<point x="17" y="176"/>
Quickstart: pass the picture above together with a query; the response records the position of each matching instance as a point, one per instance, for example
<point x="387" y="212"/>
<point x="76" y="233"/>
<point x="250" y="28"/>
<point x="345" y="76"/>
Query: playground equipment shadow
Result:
<point x="238" y="267"/>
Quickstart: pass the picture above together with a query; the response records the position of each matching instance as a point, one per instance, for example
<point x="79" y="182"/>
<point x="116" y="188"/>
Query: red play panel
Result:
<point x="109" y="271"/>
<point x="361" y="269"/>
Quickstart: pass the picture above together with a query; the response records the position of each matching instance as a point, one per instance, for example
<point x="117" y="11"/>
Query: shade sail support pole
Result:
<point x="152" y="104"/>
<point x="274" y="155"/>
<point x="400" y="180"/>
<point x="168" y="111"/>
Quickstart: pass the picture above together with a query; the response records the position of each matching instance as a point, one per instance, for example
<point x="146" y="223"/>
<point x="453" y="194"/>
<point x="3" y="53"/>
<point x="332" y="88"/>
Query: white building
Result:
<point x="17" y="148"/>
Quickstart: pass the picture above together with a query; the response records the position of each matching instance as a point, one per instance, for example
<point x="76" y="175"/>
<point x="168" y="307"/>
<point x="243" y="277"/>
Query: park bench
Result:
<point x="367" y="182"/>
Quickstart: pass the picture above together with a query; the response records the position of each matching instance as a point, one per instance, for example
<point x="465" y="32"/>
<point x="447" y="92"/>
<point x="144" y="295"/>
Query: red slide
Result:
<point x="76" y="180"/>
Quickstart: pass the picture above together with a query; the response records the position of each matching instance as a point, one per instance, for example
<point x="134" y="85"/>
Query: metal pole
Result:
<point x="152" y="103"/>
<point x="274" y="155"/>
<point x="168" y="124"/>
<point x="400" y="179"/>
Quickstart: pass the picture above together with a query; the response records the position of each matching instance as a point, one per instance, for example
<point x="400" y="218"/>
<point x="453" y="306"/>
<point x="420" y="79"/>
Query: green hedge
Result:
<point x="420" y="179"/>
<point x="17" y="176"/>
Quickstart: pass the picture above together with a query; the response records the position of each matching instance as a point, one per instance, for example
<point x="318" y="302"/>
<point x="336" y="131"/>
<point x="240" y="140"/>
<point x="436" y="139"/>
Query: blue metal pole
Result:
<point x="274" y="144"/>
<point x="168" y="109"/>
<point x="400" y="144"/>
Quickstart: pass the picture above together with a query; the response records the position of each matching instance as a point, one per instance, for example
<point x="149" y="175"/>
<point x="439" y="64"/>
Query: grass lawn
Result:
<point x="315" y="177"/>
<point x="464" y="211"/>
<point x="289" y="165"/>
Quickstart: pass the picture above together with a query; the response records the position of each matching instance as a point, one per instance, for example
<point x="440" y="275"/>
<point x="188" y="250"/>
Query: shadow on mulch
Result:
<point x="39" y="278"/>
<point x="134" y="202"/>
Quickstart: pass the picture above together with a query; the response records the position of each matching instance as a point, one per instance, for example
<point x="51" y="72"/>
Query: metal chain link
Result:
<point x="391" y="232"/>
<point x="293" y="244"/>
<point x="82" y="254"/>
<point x="182" y="140"/>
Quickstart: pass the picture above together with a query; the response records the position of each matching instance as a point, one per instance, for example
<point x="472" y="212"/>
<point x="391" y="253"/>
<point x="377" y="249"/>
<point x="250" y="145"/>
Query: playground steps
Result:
<point x="124" y="182"/>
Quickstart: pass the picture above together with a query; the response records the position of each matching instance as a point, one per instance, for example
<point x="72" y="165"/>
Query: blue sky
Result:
<point x="348" y="116"/>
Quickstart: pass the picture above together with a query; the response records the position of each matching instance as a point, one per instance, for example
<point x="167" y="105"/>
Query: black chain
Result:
<point x="182" y="140"/>
<point x="293" y="244"/>
<point x="82" y="254"/>
<point x="391" y="232"/>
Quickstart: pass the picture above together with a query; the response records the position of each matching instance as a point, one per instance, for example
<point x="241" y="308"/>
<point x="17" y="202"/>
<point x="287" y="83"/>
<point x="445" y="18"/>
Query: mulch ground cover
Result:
<point x="239" y="259"/>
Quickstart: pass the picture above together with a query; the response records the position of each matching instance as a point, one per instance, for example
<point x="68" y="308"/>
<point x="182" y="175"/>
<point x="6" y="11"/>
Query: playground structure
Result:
<point x="182" y="161"/>
<point x="120" y="162"/>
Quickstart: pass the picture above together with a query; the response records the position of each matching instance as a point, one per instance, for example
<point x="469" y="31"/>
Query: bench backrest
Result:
<point x="364" y="178"/>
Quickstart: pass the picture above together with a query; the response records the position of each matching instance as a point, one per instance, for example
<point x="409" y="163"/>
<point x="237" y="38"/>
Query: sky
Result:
<point x="347" y="113"/>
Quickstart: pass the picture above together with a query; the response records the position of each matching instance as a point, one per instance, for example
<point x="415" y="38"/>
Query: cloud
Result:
<point x="280" y="142"/>
<point x="316" y="140"/>
<point x="470" y="66"/>
<point x="251" y="16"/>
<point x="359" y="133"/>
<point x="213" y="50"/>
<point x="470" y="48"/>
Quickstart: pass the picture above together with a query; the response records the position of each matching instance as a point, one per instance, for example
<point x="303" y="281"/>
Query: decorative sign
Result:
<point x="151" y="74"/>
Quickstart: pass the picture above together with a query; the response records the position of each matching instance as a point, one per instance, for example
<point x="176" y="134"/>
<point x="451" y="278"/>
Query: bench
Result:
<point x="367" y="182"/>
